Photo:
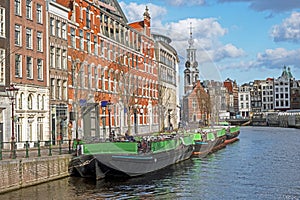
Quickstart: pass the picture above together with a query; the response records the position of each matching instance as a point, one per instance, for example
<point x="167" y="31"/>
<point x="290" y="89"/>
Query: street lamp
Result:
<point x="103" y="106"/>
<point x="135" y="109"/>
<point x="11" y="92"/>
<point x="109" y="107"/>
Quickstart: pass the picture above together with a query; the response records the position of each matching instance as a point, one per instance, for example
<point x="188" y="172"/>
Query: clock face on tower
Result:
<point x="195" y="64"/>
<point x="187" y="64"/>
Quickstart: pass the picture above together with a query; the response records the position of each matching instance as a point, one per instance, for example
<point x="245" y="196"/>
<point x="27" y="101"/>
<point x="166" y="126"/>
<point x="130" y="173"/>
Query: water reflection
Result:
<point x="263" y="164"/>
<point x="148" y="186"/>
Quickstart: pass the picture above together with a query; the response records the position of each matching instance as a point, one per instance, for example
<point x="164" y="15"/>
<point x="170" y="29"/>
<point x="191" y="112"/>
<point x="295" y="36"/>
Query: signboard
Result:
<point x="104" y="103"/>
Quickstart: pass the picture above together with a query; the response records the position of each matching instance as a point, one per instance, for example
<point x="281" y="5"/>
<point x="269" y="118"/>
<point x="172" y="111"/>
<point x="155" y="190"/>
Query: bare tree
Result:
<point x="204" y="103"/>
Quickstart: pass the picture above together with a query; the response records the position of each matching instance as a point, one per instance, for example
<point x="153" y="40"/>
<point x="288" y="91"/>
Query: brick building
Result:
<point x="5" y="69"/>
<point x="29" y="70"/>
<point x="57" y="54"/>
<point x="112" y="72"/>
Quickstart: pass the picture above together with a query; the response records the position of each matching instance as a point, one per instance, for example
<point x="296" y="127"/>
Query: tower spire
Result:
<point x="191" y="40"/>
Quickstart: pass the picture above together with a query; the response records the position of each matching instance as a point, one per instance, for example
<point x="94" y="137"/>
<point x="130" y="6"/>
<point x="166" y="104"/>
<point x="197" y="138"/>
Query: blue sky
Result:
<point x="243" y="40"/>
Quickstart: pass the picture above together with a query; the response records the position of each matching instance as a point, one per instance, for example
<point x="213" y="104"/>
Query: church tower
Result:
<point x="191" y="72"/>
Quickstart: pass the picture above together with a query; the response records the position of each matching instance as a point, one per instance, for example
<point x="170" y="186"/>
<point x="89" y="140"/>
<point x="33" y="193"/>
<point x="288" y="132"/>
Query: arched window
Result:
<point x="38" y="101"/>
<point x="29" y="100"/>
<point x="21" y="101"/>
<point x="188" y="80"/>
<point x="43" y="102"/>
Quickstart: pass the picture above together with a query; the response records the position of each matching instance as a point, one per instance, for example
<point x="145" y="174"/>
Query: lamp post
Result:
<point x="103" y="106"/>
<point x="109" y="107"/>
<point x="135" y="109"/>
<point x="11" y="92"/>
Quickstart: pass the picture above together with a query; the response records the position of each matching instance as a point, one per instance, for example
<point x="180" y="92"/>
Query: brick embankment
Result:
<point x="24" y="172"/>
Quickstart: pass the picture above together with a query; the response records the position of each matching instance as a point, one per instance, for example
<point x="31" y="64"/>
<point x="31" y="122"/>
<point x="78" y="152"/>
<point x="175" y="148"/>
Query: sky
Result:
<point x="243" y="40"/>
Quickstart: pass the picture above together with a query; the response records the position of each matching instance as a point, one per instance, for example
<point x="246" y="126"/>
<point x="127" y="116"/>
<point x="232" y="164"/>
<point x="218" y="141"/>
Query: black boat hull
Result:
<point x="102" y="165"/>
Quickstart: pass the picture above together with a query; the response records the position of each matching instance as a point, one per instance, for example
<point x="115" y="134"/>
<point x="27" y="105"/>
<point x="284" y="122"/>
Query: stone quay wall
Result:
<point x="19" y="173"/>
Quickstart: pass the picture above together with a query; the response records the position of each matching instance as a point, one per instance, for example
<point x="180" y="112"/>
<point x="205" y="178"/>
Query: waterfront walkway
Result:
<point x="32" y="152"/>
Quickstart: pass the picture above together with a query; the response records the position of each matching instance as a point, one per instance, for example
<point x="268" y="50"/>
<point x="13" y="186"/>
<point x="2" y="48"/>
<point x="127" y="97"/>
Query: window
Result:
<point x="58" y="95"/>
<point x="194" y="104"/>
<point x="88" y="42"/>
<point x="52" y="88"/>
<point x="52" y="57"/>
<point x="20" y="101"/>
<point x="88" y="20"/>
<point x="64" y="59"/>
<point x="18" y="7"/>
<point x="2" y="22"/>
<point x="43" y="102"/>
<point x="64" y="90"/>
<point x="29" y="101"/>
<point x="18" y="65"/>
<point x="58" y="59"/>
<point x="40" y="129"/>
<point x="102" y="47"/>
<point x="39" y="41"/>
<point x="64" y="31"/>
<point x="58" y="33"/>
<point x="52" y="28"/>
<point x="39" y="13"/>
<point x="28" y="38"/>
<point x="2" y="66"/>
<point x="28" y="9"/>
<point x="18" y="35"/>
<point x="29" y="71"/>
<point x="80" y="39"/>
<point x="40" y="69"/>
<point x="95" y="45"/>
<point x="73" y="44"/>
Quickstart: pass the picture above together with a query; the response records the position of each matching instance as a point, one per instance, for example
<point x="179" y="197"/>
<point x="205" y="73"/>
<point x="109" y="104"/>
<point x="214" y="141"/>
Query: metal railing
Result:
<point x="28" y="149"/>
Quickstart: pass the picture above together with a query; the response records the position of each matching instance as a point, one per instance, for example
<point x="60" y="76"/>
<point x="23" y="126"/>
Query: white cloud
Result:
<point x="269" y="59"/>
<point x="288" y="30"/>
<point x="134" y="12"/>
<point x="228" y="51"/>
<point x="206" y="33"/>
<point x="278" y="57"/>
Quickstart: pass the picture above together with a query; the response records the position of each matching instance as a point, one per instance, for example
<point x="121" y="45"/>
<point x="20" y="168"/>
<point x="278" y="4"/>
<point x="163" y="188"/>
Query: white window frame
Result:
<point x="29" y="9"/>
<point x="58" y="28"/>
<point x="52" y="57"/>
<point x="18" y="34"/>
<point x="64" y="59"/>
<point x="18" y="7"/>
<point x="73" y="40"/>
<point x="58" y="58"/>
<point x="18" y="65"/>
<point x="39" y="13"/>
<point x="81" y="38"/>
<point x="2" y="22"/>
<point x="40" y="69"/>
<point x="39" y="36"/>
<point x="96" y="45"/>
<point x="28" y="38"/>
<point x="64" y="30"/>
<point x="29" y="67"/>
<point x="88" y="42"/>
<point x="52" y="26"/>
<point x="2" y="66"/>
<point x="52" y="88"/>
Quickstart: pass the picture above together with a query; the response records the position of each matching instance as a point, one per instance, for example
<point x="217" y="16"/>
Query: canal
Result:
<point x="264" y="164"/>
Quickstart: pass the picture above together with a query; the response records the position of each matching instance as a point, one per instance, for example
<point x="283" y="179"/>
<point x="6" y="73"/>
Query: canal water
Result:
<point x="263" y="164"/>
